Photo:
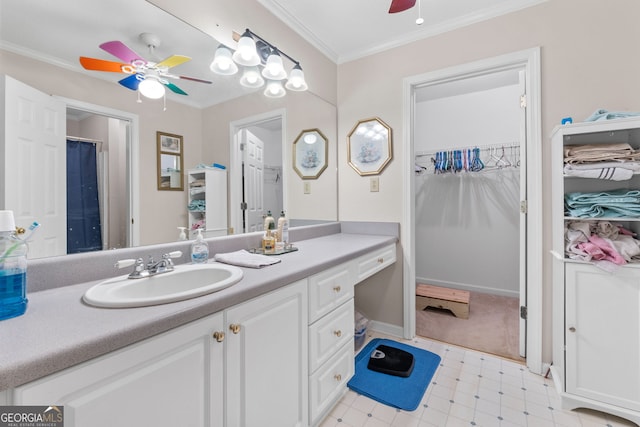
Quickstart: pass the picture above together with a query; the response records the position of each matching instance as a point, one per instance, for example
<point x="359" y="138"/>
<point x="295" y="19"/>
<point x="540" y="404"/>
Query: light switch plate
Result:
<point x="307" y="187"/>
<point x="374" y="184"/>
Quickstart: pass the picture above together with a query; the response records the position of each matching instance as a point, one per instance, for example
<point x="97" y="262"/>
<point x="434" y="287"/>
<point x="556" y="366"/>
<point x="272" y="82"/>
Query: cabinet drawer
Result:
<point x="371" y="263"/>
<point x="329" y="334"/>
<point x="328" y="383"/>
<point x="330" y="289"/>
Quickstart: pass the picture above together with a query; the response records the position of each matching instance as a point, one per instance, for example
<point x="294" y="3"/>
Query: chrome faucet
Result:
<point x="151" y="268"/>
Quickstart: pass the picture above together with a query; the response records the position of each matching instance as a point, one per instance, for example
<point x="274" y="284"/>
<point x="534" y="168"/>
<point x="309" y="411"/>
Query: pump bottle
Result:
<point x="13" y="269"/>
<point x="199" y="249"/>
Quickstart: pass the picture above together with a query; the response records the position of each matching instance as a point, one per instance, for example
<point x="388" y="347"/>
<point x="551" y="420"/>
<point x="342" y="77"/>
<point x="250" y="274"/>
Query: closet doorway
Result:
<point x="469" y="225"/>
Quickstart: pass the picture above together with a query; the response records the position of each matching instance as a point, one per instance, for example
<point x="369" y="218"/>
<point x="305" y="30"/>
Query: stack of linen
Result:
<point x="616" y="161"/>
<point x="609" y="204"/>
<point x="601" y="243"/>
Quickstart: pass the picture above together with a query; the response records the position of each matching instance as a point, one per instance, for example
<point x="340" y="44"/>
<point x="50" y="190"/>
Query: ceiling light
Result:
<point x="296" y="80"/>
<point x="246" y="53"/>
<point x="223" y="62"/>
<point x="151" y="87"/>
<point x="261" y="61"/>
<point x="274" y="89"/>
<point x="251" y="78"/>
<point x="274" y="68"/>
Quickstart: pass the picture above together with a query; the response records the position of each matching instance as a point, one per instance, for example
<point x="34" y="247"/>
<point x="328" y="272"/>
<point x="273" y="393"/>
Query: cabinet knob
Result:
<point x="337" y="289"/>
<point x="380" y="260"/>
<point x="337" y="333"/>
<point x="219" y="336"/>
<point x="234" y="328"/>
<point x="338" y="377"/>
<point x="572" y="329"/>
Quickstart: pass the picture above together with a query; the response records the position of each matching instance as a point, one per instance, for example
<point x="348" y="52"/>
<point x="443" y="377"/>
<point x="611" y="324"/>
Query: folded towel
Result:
<point x="602" y="114"/>
<point x="589" y="153"/>
<point x="612" y="174"/>
<point x="243" y="258"/>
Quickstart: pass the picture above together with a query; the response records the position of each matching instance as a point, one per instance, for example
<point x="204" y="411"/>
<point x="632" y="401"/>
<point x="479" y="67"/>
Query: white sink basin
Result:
<point x="186" y="281"/>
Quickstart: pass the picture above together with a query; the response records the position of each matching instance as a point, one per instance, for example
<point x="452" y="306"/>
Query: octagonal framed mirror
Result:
<point x="369" y="146"/>
<point x="310" y="154"/>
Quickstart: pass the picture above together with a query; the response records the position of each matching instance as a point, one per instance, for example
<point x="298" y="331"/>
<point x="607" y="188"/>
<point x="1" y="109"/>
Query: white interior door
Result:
<point x="523" y="212"/>
<point x="34" y="157"/>
<point x="253" y="181"/>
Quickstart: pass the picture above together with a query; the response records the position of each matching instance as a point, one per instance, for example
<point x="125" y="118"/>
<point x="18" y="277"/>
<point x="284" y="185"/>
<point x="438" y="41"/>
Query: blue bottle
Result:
<point x="13" y="269"/>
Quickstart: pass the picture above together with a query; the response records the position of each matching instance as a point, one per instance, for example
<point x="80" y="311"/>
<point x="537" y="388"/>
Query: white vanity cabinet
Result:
<point x="331" y="328"/>
<point x="266" y="370"/>
<point x="596" y="314"/>
<point x="175" y="378"/>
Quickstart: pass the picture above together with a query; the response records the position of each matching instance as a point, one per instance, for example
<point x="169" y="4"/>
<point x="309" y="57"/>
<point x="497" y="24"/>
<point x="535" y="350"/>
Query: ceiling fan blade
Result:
<point x="131" y="82"/>
<point x="102" y="65"/>
<point x="121" y="51"/>
<point x="401" y="5"/>
<point x="173" y="60"/>
<point x="175" y="88"/>
<point x="193" y="79"/>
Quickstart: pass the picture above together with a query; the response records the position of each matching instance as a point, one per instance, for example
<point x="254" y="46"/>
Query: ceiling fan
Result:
<point x="401" y="5"/>
<point x="140" y="69"/>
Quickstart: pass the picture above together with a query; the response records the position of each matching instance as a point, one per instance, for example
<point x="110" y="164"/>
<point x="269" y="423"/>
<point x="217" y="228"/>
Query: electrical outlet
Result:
<point x="374" y="184"/>
<point x="307" y="187"/>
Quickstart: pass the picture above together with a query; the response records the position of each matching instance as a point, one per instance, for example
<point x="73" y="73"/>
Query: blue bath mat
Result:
<point x="403" y="393"/>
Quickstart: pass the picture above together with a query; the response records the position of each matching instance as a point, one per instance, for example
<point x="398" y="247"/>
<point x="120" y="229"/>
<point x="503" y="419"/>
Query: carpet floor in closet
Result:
<point x="492" y="326"/>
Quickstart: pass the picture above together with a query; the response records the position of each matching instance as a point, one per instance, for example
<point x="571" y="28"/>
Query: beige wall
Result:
<point x="589" y="57"/>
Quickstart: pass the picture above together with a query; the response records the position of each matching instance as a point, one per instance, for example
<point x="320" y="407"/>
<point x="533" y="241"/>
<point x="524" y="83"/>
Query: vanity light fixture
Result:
<point x="223" y="62"/>
<point x="261" y="62"/>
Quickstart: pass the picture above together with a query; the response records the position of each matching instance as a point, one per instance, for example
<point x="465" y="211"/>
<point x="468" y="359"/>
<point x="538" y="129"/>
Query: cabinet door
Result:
<point x="171" y="380"/>
<point x="603" y="334"/>
<point x="267" y="360"/>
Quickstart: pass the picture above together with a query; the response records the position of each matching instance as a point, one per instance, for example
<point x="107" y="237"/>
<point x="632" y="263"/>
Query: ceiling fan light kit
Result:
<point x="223" y="62"/>
<point x="253" y="52"/>
<point x="146" y="77"/>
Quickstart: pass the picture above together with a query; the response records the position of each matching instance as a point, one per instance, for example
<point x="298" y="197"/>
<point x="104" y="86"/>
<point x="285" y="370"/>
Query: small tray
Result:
<point x="276" y="252"/>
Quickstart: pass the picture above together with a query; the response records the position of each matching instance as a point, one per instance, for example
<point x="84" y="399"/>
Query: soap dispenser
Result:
<point x="13" y="269"/>
<point x="199" y="249"/>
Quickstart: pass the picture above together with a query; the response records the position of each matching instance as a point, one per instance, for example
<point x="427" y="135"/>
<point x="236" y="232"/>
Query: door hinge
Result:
<point x="523" y="312"/>
<point x="523" y="206"/>
<point x="243" y="206"/>
<point x="523" y="101"/>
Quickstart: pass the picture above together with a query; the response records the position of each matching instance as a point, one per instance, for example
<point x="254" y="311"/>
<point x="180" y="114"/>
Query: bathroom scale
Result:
<point x="391" y="360"/>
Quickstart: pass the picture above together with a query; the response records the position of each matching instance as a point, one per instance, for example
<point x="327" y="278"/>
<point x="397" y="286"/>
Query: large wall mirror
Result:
<point x="43" y="52"/>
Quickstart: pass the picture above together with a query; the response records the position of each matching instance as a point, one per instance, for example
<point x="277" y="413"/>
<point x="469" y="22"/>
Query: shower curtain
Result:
<point x="84" y="230"/>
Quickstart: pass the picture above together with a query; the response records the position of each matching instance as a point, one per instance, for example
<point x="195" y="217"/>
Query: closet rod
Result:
<point x="77" y="138"/>
<point x="480" y="147"/>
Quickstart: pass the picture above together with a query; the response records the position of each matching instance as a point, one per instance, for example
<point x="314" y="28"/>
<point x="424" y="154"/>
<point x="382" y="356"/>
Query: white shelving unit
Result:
<point x="596" y="314"/>
<point x="207" y="201"/>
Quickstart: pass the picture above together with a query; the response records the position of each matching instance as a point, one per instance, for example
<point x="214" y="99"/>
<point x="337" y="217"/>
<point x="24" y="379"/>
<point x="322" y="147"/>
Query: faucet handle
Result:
<point x="126" y="262"/>
<point x="174" y="254"/>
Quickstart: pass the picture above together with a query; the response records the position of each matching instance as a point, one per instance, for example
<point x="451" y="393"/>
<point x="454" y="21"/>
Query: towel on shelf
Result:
<point x="243" y="258"/>
<point x="612" y="204"/>
<point x="590" y="153"/>
<point x="607" y="173"/>
<point x="602" y="114"/>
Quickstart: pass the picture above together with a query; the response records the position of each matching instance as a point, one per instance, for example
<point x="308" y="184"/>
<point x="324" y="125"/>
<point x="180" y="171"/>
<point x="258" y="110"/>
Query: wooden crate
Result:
<point x="454" y="300"/>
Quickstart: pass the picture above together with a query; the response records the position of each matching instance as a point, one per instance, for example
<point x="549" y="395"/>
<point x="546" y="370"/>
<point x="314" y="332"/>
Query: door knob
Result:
<point x="572" y="329"/>
<point x="338" y="333"/>
<point x="219" y="336"/>
<point x="234" y="328"/>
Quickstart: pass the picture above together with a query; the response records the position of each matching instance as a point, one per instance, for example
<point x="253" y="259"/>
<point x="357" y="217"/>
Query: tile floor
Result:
<point x="471" y="388"/>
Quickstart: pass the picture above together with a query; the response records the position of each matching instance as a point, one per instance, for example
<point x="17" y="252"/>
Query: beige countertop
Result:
<point x="59" y="330"/>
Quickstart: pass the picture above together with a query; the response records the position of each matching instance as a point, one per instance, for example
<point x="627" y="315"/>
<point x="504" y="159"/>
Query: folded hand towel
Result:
<point x="243" y="258"/>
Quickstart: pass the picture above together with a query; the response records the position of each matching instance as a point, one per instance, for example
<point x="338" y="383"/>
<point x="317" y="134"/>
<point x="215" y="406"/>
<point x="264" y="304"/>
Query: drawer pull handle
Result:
<point x="380" y="260"/>
<point x="234" y="328"/>
<point x="572" y="329"/>
<point x="338" y="333"/>
<point x="337" y="289"/>
<point x="219" y="336"/>
<point x="338" y="377"/>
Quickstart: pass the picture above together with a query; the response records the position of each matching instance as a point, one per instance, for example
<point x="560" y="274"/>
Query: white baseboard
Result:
<point x="386" y="328"/>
